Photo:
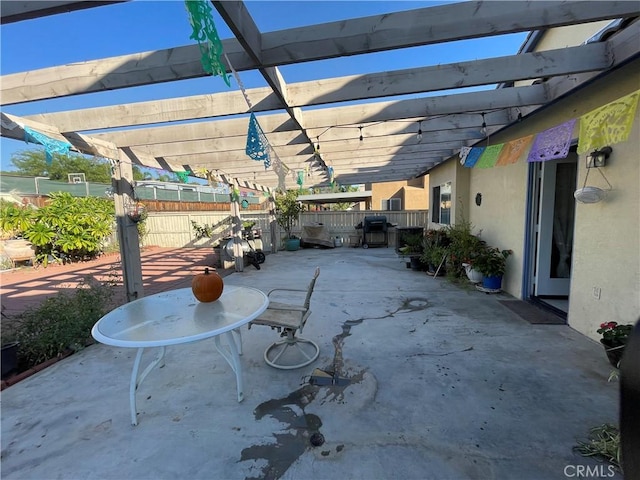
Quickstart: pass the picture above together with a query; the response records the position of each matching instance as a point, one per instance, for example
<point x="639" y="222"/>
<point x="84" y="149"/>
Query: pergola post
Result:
<point x="237" y="227"/>
<point x="127" y="231"/>
<point x="273" y="225"/>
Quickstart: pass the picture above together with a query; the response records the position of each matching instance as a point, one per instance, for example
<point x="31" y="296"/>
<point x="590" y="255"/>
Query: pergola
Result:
<point x="208" y="133"/>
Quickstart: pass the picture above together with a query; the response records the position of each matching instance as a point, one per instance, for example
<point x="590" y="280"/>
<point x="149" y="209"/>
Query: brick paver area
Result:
<point x="162" y="269"/>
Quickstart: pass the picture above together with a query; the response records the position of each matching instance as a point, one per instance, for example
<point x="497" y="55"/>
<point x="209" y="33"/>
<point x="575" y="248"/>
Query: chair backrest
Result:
<point x="307" y="300"/>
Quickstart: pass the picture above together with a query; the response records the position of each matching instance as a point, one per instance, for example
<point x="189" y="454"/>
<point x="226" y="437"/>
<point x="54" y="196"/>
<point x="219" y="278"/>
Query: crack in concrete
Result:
<point x="303" y="429"/>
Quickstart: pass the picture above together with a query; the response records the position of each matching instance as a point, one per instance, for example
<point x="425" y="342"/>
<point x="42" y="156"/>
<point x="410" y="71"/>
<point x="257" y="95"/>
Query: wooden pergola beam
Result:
<point x="424" y="26"/>
<point x="16" y="11"/>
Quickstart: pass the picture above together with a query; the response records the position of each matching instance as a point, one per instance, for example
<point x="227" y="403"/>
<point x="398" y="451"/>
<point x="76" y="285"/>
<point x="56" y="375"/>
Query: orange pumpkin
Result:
<point x="207" y="286"/>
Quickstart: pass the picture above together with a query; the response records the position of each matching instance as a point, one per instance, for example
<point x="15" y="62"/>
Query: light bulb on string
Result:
<point x="361" y="138"/>
<point x="318" y="144"/>
<point x="483" y="130"/>
<point x="419" y="131"/>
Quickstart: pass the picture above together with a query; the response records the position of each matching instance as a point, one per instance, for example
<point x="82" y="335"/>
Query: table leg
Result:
<point x="136" y="380"/>
<point x="233" y="359"/>
<point x="238" y="335"/>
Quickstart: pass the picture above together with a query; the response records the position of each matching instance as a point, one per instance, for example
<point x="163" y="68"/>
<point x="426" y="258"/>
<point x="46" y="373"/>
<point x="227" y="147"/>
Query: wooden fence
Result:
<point x="175" y="229"/>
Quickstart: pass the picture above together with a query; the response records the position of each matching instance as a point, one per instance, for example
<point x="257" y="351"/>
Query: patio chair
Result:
<point x="288" y="318"/>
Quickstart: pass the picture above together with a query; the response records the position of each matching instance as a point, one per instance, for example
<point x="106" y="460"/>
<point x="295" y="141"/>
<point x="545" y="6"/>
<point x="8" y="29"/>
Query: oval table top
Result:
<point x="176" y="316"/>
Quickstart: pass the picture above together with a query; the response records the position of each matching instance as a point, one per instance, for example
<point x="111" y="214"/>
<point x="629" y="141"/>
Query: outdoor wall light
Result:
<point x="598" y="158"/>
<point x="591" y="194"/>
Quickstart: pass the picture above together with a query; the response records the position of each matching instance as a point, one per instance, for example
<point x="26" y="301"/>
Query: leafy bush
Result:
<point x="201" y="231"/>
<point x="434" y="246"/>
<point x="61" y="322"/>
<point x="412" y="244"/>
<point x="73" y="228"/>
<point x="492" y="262"/>
<point x="15" y="219"/>
<point x="464" y="247"/>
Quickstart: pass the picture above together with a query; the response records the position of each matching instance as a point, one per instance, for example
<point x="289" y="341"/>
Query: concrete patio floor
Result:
<point x="445" y="383"/>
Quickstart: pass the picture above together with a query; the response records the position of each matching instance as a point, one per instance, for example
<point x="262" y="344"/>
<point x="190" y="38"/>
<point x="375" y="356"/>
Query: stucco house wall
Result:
<point x="605" y="283"/>
<point x="414" y="194"/>
<point x="569" y="35"/>
<point x="606" y="249"/>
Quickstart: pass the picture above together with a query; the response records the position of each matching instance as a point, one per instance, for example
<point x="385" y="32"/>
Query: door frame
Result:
<point x="534" y="185"/>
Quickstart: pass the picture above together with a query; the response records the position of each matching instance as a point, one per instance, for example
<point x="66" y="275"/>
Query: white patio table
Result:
<point x="176" y="317"/>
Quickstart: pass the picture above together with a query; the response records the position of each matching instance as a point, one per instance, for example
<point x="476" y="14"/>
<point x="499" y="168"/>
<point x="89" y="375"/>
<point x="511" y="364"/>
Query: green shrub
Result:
<point x="15" y="219"/>
<point x="61" y="322"/>
<point x="412" y="244"/>
<point x="434" y="246"/>
<point x="464" y="247"/>
<point x="70" y="227"/>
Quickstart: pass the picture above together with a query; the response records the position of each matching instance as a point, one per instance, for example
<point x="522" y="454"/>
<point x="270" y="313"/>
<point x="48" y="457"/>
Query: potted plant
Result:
<point x="463" y="249"/>
<point x="435" y="247"/>
<point x="413" y="247"/>
<point x="614" y="338"/>
<point x="288" y="210"/>
<point x="437" y="254"/>
<point x="492" y="263"/>
<point x="247" y="225"/>
<point x="474" y="276"/>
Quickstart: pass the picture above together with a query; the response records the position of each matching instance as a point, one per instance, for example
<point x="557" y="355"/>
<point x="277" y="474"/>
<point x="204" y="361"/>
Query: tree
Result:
<point x="287" y="210"/>
<point x="32" y="163"/>
<point x="168" y="177"/>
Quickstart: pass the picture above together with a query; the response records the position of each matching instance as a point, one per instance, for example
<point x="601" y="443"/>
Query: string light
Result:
<point x="483" y="130"/>
<point x="360" y="127"/>
<point x="419" y="130"/>
<point x="318" y="143"/>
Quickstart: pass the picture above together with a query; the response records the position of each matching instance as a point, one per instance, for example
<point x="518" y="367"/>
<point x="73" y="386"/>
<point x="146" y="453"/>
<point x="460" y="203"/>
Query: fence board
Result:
<point x="174" y="229"/>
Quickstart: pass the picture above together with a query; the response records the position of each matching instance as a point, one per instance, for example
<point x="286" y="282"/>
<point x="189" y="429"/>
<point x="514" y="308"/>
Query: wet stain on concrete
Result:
<point x="300" y="433"/>
<point x="337" y="366"/>
<point x="302" y="429"/>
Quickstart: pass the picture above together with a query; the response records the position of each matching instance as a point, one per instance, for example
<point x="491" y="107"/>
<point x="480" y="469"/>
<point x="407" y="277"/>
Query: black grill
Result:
<point x="374" y="231"/>
<point x="375" y="224"/>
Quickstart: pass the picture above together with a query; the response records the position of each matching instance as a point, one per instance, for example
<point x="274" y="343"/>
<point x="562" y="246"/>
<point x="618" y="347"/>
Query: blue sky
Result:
<point x="145" y="25"/>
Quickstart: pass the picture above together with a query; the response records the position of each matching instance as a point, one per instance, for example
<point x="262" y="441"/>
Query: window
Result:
<point x="441" y="211"/>
<point x="435" y="205"/>
<point x="394" y="204"/>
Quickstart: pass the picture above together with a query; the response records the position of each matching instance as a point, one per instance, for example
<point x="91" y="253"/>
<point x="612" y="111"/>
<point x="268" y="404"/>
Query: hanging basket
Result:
<point x="136" y="212"/>
<point x="590" y="194"/>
